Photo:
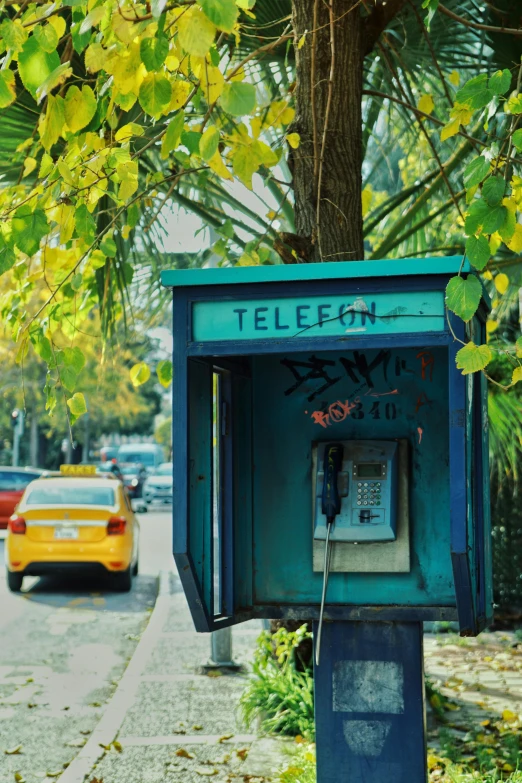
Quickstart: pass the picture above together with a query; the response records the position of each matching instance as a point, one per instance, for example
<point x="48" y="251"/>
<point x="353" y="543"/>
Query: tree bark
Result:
<point x="327" y="164"/>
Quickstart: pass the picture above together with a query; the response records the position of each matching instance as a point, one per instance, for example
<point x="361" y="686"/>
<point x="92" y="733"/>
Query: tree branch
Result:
<point x="379" y="19"/>
<point x="478" y="25"/>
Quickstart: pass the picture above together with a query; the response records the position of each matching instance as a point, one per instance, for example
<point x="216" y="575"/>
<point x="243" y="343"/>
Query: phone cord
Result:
<point x="326" y="571"/>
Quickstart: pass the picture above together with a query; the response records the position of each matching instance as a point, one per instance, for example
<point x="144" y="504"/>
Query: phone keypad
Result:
<point x="368" y="493"/>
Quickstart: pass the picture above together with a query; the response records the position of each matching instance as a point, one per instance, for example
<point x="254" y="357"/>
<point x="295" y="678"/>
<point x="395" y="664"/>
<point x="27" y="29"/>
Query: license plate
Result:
<point x="66" y="533"/>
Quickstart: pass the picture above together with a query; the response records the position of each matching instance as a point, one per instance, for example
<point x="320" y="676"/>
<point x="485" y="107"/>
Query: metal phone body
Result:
<point x="367" y="485"/>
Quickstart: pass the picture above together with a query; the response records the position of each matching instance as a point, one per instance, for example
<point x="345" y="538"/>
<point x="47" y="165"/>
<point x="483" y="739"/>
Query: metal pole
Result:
<point x="221" y="651"/>
<point x="369" y="703"/>
<point x="16" y="446"/>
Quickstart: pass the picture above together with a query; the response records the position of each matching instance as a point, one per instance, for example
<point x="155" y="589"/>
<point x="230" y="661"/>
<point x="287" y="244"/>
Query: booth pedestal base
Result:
<point x="369" y="703"/>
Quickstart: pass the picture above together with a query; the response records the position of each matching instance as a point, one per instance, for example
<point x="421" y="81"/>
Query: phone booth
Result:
<point x="331" y="464"/>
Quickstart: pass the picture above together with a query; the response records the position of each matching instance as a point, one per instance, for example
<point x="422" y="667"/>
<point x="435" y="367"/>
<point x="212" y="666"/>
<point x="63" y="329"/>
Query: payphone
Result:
<point x="343" y="477"/>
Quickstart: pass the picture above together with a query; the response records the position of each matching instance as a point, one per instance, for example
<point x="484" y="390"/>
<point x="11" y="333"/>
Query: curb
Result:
<point x="114" y="715"/>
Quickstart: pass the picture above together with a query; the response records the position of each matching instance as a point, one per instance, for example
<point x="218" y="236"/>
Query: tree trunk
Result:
<point x="326" y="166"/>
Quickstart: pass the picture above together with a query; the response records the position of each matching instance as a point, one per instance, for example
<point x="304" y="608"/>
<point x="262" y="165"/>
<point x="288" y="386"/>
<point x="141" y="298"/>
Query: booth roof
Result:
<point x="180" y="278"/>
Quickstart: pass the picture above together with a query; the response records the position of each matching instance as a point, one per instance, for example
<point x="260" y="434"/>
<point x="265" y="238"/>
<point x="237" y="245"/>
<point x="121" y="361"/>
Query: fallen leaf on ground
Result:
<point x="55" y="774"/>
<point x="508" y="715"/>
<point x="184" y="754"/>
<point x="225" y="737"/>
<point x="117" y="746"/>
<point x="205" y="771"/>
<point x="197" y="727"/>
<point x="13" y="751"/>
<point x="19" y="777"/>
<point x="214" y="673"/>
<point x="242" y="754"/>
<point x="77" y="743"/>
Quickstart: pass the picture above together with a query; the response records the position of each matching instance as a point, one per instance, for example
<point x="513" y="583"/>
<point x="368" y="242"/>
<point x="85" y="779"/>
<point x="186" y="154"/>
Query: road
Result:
<point x="64" y="646"/>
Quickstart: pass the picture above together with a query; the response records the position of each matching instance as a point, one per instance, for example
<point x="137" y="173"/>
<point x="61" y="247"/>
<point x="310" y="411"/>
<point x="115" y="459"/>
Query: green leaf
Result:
<point x="478" y="252"/>
<point x="68" y="378"/>
<point x="473" y="358"/>
<point x="42" y="346"/>
<point x="493" y="190"/>
<point x="475" y="93"/>
<point x="500" y="82"/>
<point x="153" y="52"/>
<point x="35" y="65"/>
<point x="77" y="405"/>
<point x="173" y="135"/>
<point x="46" y="36"/>
<point x="191" y="141"/>
<point x="73" y="357"/>
<point x="223" y="13"/>
<point x="463" y="296"/>
<point x="494" y="219"/>
<point x="108" y="246"/>
<point x="238" y="98"/>
<point x="85" y="223"/>
<point x="28" y="228"/>
<point x="13" y="34"/>
<point x="432" y="6"/>
<point x="51" y="125"/>
<point x="80" y="107"/>
<point x="164" y="373"/>
<point x="517" y="139"/>
<point x="76" y="282"/>
<point x="518" y="346"/>
<point x="7" y="256"/>
<point x="139" y="374"/>
<point x="209" y="143"/>
<point x="155" y="94"/>
<point x="476" y="171"/>
<point x="55" y="78"/>
<point x="7" y="88"/>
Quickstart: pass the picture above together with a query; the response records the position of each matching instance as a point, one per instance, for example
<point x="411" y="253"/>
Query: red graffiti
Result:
<point x="422" y="399"/>
<point x="336" y="412"/>
<point x="427" y="361"/>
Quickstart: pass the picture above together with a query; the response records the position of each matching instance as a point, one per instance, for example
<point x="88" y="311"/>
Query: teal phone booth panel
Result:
<point x="271" y="364"/>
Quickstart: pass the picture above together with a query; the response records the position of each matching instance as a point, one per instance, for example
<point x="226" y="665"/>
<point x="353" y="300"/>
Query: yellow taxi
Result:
<point x="73" y="522"/>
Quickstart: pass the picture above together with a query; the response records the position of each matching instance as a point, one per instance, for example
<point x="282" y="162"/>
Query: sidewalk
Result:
<point x="169" y="722"/>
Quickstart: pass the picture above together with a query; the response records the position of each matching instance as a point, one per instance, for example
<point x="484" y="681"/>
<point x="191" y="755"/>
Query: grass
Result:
<point x="281" y="694"/>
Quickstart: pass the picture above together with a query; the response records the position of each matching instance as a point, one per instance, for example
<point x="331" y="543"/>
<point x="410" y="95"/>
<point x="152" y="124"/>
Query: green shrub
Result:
<point x="281" y="693"/>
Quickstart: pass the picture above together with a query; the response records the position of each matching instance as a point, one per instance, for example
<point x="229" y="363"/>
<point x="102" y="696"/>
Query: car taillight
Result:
<point x="17" y="525"/>
<point x="116" y="526"/>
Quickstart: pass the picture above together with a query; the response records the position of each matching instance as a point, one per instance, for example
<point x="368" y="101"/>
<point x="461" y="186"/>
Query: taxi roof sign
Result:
<point x="78" y="470"/>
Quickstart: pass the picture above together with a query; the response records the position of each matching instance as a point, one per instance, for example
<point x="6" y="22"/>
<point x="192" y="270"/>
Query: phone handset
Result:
<point x="330" y="507"/>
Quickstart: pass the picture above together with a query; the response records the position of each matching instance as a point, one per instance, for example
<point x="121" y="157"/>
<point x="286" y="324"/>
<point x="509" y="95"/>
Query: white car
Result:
<point x="158" y="486"/>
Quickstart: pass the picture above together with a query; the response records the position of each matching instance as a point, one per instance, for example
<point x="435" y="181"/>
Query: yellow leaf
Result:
<point x="517" y="376"/>
<point x="180" y="93"/>
<point x="7" y="88"/>
<point x="225" y="737"/>
<point x="124" y="30"/>
<point x="515" y="243"/>
<point x="29" y="165"/>
<point x="502" y="283"/>
<point x="294" y="140"/>
<point x="59" y="25"/>
<point x="139" y="374"/>
<point x="367" y="196"/>
<point x="184" y="754"/>
<point x="218" y="167"/>
<point x="95" y="57"/>
<point x="454" y="78"/>
<point x="128" y="70"/>
<point x="126" y="132"/>
<point x="507" y="767"/>
<point x="495" y="241"/>
<point x="211" y="82"/>
<point x="487" y="274"/>
<point x="426" y="103"/>
<point x="80" y="107"/>
<point x="249" y="259"/>
<point x="13" y="751"/>
<point x="450" y="129"/>
<point x="196" y="32"/>
<point x="492" y="326"/>
<point x="302" y="40"/>
<point x="508" y="715"/>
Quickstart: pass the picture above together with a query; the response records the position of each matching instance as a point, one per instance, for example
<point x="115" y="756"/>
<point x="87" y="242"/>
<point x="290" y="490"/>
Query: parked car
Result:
<point x="150" y="455"/>
<point x="13" y="481"/>
<point x="134" y="476"/>
<point x="108" y="452"/>
<point x="158" y="486"/>
<point x="73" y="524"/>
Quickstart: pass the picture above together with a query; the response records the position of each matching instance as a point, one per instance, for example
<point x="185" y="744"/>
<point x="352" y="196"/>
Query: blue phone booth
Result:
<point x="331" y="464"/>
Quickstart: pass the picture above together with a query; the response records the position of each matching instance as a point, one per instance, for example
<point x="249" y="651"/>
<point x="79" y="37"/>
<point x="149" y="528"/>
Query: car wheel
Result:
<point x="123" y="581"/>
<point x="14" y="581"/>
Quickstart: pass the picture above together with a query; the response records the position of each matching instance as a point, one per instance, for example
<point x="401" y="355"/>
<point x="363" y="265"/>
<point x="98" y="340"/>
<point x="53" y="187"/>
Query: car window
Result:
<point x="138" y="456"/>
<point x="164" y="470"/>
<point x="71" y="496"/>
<point x="11" y="481"/>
